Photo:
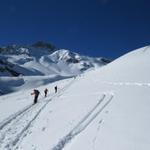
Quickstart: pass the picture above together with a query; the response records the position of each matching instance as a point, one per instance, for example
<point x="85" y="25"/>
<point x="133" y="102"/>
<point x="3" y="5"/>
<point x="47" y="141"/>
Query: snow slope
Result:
<point x="106" y="108"/>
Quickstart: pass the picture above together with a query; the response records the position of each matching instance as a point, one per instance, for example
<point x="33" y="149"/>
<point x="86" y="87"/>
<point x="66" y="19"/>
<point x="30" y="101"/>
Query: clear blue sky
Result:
<point x="107" y="28"/>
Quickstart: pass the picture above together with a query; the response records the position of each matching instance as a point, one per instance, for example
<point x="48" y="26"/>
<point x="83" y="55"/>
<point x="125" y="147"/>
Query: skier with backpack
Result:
<point x="36" y="94"/>
<point x="56" y="89"/>
<point x="45" y="92"/>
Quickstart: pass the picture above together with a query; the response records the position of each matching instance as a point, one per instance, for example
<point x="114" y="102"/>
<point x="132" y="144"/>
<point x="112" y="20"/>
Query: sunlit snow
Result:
<point x="106" y="108"/>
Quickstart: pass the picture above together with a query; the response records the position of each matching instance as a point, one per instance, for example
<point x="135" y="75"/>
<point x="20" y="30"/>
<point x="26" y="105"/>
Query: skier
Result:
<point x="36" y="94"/>
<point x="55" y="89"/>
<point x="46" y="91"/>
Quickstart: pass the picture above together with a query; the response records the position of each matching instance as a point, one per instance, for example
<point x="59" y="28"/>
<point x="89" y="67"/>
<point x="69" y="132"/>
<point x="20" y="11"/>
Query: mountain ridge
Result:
<point x="37" y="60"/>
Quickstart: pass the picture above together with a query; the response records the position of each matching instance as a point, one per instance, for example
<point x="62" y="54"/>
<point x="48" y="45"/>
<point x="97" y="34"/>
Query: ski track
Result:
<point x="128" y="84"/>
<point x="13" y="128"/>
<point x="97" y="131"/>
<point x="14" y="116"/>
<point x="83" y="124"/>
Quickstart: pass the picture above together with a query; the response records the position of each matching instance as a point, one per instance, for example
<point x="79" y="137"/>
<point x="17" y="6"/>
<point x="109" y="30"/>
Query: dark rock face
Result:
<point x="6" y="66"/>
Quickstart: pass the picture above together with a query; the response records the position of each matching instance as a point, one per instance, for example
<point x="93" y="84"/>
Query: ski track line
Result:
<point x="13" y="124"/>
<point x="90" y="112"/>
<point x="13" y="116"/>
<point x="9" y="119"/>
<point x="83" y="123"/>
<point x="9" y="129"/>
<point x="140" y="84"/>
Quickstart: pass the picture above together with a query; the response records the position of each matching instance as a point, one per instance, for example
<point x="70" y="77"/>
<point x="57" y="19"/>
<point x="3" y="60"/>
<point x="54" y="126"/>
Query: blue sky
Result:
<point x="107" y="28"/>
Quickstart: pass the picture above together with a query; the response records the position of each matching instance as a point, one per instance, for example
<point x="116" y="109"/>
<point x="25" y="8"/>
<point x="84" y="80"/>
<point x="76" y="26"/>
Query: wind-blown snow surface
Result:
<point x="106" y="109"/>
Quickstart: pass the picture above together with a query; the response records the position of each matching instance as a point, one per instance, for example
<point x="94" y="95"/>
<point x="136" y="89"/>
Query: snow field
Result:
<point x="105" y="108"/>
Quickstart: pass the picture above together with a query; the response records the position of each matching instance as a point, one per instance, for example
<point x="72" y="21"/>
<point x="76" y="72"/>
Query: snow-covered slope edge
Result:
<point x="131" y="67"/>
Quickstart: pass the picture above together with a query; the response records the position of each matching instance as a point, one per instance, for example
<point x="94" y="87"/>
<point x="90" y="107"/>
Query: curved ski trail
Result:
<point x="91" y="115"/>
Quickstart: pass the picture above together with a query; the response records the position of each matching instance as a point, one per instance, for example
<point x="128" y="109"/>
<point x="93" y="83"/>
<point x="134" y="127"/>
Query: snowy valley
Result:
<point x="97" y="106"/>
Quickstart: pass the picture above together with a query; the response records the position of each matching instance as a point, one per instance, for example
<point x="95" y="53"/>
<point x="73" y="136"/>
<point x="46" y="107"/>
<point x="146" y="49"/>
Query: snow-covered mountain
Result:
<point x="106" y="108"/>
<point x="43" y="59"/>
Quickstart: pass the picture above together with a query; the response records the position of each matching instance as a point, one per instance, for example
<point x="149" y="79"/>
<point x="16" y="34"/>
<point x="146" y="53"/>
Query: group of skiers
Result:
<point x="37" y="92"/>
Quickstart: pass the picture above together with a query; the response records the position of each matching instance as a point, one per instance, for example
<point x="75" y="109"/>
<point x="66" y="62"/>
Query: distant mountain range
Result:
<point x="43" y="58"/>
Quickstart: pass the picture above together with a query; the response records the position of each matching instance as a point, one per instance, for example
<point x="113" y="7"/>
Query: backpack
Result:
<point x="36" y="92"/>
